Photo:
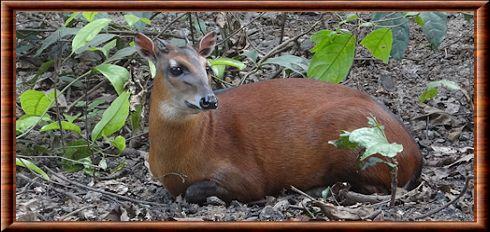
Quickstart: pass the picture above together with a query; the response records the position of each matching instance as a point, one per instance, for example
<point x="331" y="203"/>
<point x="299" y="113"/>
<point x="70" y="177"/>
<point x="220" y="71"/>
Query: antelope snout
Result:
<point x="209" y="102"/>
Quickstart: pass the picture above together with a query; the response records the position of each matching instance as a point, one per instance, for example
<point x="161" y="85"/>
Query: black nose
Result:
<point x="209" y="102"/>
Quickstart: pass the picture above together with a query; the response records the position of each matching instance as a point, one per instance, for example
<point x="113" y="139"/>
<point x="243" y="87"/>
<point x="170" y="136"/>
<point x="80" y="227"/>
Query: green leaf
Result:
<point x="31" y="166"/>
<point x="120" y="54"/>
<point x="432" y="89"/>
<point x="351" y="17"/>
<point x="400" y="29"/>
<point x="372" y="161"/>
<point x="103" y="164"/>
<point x="435" y="27"/>
<point x="55" y="37"/>
<point x="419" y="20"/>
<point x="153" y="69"/>
<point x="35" y="102"/>
<point x="27" y="121"/>
<point x="88" y="32"/>
<point x="120" y="143"/>
<point x="117" y="75"/>
<point x="451" y="85"/>
<point x="71" y="18"/>
<point x="106" y="48"/>
<point x="294" y="63"/>
<point x="92" y="45"/>
<point x="379" y="43"/>
<point x="68" y="126"/>
<point x="326" y="193"/>
<point x="228" y="62"/>
<point x="219" y="70"/>
<point x="343" y="142"/>
<point x="89" y="16"/>
<point x="145" y="21"/>
<point x="113" y="118"/>
<point x="411" y="14"/>
<point x="375" y="141"/>
<point x="131" y="19"/>
<point x="251" y="55"/>
<point x="428" y="94"/>
<point x="334" y="55"/>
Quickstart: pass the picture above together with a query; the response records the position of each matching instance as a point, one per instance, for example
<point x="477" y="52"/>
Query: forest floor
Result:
<point x="443" y="129"/>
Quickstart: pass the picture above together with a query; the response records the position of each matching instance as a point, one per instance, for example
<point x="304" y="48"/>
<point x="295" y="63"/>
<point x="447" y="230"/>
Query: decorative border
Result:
<point x="8" y="94"/>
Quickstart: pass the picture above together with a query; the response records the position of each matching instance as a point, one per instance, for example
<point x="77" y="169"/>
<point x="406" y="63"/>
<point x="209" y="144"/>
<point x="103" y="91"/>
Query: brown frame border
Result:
<point x="8" y="9"/>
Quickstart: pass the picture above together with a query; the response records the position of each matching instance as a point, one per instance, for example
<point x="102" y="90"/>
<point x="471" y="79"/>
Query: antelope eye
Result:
<point x="176" y="71"/>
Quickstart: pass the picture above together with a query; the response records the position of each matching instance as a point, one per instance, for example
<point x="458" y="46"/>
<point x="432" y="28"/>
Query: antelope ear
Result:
<point x="146" y="47"/>
<point x="206" y="46"/>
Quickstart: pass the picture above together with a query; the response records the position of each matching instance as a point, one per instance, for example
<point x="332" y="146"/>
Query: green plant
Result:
<point x="77" y="149"/>
<point x="334" y="50"/>
<point x="374" y="142"/>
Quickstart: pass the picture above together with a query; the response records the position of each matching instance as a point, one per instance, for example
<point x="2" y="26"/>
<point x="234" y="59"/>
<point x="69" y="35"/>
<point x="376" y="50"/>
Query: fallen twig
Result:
<point x="102" y="191"/>
<point x="463" y="191"/>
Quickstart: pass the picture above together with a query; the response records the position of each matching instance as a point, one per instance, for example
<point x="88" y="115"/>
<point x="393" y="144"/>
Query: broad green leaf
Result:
<point x="113" y="118"/>
<point x="120" y="143"/>
<point x="31" y="166"/>
<point x="432" y="89"/>
<point x="451" y="85"/>
<point x="321" y="39"/>
<point x="385" y="149"/>
<point x="106" y="48"/>
<point x="131" y="19"/>
<point x="375" y="142"/>
<point x="428" y="94"/>
<point x="103" y="164"/>
<point x="372" y="161"/>
<point x="343" y="142"/>
<point x="71" y="18"/>
<point x="334" y="55"/>
<point x="411" y="14"/>
<point x="67" y="126"/>
<point x="351" y="17"/>
<point x="219" y="70"/>
<point x="96" y="41"/>
<point x="35" y="102"/>
<point x="88" y="32"/>
<point x="419" y="20"/>
<point x="27" y="121"/>
<point x="117" y="75"/>
<point x="120" y="54"/>
<point x="294" y="63"/>
<point x="379" y="43"/>
<point x="145" y="21"/>
<point x="399" y="27"/>
<point x="55" y="37"/>
<point x="228" y="62"/>
<point x="326" y="193"/>
<point x="153" y="69"/>
<point x="435" y="27"/>
<point x="251" y="54"/>
<point x="89" y="16"/>
<point x="373" y="139"/>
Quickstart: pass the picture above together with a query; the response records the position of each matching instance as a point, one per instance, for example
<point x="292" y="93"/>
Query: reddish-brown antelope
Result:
<point x="256" y="139"/>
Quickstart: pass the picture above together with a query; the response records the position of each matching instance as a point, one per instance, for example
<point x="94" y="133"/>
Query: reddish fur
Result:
<point x="269" y="135"/>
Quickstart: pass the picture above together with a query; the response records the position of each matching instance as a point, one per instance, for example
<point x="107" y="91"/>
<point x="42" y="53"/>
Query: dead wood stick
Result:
<point x="463" y="191"/>
<point x="102" y="191"/>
